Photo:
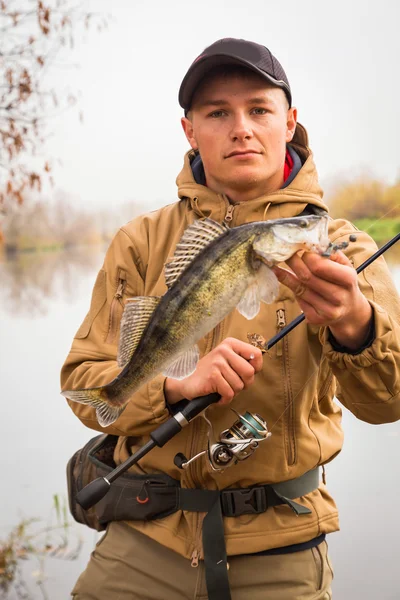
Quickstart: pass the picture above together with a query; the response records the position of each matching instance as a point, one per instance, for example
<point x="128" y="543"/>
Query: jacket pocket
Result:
<point x="117" y="308"/>
<point x="99" y="298"/>
<point x="282" y="352"/>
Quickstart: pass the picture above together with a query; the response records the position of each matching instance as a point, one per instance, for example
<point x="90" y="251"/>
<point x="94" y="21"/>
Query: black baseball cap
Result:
<point x="231" y="51"/>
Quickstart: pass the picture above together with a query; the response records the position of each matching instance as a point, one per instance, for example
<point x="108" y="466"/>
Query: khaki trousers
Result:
<point x="127" y="565"/>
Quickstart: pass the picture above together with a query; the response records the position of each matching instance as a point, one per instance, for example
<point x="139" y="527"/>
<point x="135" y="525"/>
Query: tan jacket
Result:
<point x="293" y="393"/>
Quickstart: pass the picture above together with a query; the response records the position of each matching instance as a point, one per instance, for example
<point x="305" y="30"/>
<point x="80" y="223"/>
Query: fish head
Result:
<point x="285" y="237"/>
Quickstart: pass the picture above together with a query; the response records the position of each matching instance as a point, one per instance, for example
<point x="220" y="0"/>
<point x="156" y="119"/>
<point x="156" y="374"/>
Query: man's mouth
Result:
<point x="242" y="153"/>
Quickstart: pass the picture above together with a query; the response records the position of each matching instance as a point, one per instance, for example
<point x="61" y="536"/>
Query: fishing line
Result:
<point x="382" y="217"/>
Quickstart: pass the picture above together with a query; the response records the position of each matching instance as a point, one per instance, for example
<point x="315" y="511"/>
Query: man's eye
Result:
<point x="217" y="113"/>
<point x="259" y="111"/>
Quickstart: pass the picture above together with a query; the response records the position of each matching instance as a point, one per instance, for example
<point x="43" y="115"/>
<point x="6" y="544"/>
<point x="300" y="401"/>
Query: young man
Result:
<point x="249" y="161"/>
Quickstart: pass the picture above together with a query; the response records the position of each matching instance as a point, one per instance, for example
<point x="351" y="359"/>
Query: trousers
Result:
<point x="127" y="565"/>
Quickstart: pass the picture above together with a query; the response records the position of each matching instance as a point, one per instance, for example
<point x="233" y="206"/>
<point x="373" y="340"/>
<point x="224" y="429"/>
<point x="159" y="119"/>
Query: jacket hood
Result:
<point x="303" y="190"/>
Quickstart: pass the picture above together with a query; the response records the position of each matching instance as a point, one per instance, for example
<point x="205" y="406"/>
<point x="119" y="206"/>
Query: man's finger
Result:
<point x="245" y="350"/>
<point x="291" y="281"/>
<point x="338" y="270"/>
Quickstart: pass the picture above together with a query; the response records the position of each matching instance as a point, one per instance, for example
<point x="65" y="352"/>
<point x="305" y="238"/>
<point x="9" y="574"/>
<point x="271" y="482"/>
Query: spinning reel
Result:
<point x="234" y="444"/>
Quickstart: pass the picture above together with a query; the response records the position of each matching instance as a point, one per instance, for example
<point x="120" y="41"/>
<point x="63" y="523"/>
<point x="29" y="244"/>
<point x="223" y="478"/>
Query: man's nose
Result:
<point x="241" y="129"/>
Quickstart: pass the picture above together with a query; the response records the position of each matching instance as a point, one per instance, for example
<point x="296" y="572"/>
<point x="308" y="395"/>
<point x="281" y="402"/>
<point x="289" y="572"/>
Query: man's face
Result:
<point x="241" y="125"/>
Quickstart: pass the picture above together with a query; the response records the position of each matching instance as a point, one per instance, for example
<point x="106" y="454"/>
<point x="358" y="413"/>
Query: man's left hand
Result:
<point x="328" y="293"/>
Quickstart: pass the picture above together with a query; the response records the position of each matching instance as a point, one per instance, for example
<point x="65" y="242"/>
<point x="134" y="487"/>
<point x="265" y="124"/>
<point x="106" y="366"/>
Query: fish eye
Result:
<point x="303" y="223"/>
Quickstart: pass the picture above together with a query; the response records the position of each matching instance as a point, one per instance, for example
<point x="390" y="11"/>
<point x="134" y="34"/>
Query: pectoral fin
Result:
<point x="184" y="365"/>
<point x="264" y="288"/>
<point x="249" y="304"/>
<point x="268" y="284"/>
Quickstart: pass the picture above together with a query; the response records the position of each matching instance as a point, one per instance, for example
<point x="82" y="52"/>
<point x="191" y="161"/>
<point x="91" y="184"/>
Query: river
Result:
<point x="42" y="302"/>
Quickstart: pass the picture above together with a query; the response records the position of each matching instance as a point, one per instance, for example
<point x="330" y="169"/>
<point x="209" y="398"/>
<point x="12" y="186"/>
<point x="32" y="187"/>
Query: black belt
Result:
<point x="233" y="503"/>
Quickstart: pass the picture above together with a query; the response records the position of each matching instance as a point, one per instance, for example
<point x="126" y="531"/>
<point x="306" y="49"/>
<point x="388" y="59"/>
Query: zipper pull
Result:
<point x="280" y="318"/>
<point x="115" y="311"/>
<point x="195" y="559"/>
<point x="120" y="289"/>
<point x="229" y="213"/>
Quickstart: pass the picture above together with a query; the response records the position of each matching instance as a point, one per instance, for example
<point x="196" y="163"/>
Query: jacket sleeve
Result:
<point x="369" y="382"/>
<point x="92" y="360"/>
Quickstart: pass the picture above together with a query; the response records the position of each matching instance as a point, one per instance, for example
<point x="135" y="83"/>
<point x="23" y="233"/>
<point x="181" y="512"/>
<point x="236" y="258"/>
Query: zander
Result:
<point x="214" y="270"/>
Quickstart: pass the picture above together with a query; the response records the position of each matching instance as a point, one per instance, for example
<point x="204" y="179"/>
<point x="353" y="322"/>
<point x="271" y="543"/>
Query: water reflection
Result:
<point x="30" y="280"/>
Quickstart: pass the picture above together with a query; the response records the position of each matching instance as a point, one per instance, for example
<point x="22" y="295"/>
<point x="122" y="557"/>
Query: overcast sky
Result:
<point x="341" y="59"/>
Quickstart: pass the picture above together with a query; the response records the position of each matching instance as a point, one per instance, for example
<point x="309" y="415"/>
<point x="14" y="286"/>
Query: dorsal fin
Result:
<point x="137" y="314"/>
<point x="195" y="238"/>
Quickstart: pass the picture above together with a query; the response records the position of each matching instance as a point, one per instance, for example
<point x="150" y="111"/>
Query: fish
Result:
<point x="214" y="270"/>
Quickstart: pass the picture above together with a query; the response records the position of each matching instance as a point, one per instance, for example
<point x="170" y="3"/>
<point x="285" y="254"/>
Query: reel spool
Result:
<point x="234" y="444"/>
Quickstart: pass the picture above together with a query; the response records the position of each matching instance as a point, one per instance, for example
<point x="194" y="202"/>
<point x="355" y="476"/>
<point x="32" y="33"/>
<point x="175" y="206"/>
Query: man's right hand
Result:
<point x="227" y="369"/>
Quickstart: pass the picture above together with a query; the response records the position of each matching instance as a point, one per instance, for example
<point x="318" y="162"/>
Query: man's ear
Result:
<point x="291" y="122"/>
<point x="187" y="127"/>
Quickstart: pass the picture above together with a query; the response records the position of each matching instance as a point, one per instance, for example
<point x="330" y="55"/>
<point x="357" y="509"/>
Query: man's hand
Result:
<point x="227" y="370"/>
<point x="328" y="294"/>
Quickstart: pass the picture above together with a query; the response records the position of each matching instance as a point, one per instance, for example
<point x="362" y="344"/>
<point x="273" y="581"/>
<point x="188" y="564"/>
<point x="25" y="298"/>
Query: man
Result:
<point x="249" y="161"/>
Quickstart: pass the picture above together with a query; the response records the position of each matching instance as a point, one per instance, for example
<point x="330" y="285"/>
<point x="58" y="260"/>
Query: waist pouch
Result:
<point x="154" y="496"/>
<point x="130" y="497"/>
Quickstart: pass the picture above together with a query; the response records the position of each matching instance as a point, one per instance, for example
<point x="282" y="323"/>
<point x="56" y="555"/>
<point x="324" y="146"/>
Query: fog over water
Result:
<point x="40" y="309"/>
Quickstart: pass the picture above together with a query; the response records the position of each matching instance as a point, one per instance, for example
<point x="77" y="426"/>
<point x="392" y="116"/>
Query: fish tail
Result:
<point x="106" y="413"/>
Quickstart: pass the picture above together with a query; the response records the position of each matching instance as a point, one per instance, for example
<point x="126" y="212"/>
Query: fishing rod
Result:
<point x="236" y="443"/>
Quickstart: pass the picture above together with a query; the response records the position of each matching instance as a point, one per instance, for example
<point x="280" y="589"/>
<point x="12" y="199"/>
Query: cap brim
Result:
<point x="199" y="69"/>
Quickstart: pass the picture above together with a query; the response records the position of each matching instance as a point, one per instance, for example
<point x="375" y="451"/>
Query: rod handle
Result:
<point x="197" y="405"/>
<point x="92" y="493"/>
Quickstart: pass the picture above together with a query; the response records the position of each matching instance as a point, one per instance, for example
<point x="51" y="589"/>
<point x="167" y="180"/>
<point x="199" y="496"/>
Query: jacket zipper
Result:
<point x="283" y="351"/>
<point x="280" y="324"/>
<point x="195" y="481"/>
<point x="116" y="309"/>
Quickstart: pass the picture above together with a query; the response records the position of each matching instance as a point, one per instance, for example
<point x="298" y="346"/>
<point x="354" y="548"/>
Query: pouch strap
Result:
<point x="233" y="503"/>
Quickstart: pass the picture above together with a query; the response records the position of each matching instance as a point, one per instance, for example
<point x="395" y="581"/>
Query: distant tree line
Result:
<point x="365" y="198"/>
<point x="42" y="223"/>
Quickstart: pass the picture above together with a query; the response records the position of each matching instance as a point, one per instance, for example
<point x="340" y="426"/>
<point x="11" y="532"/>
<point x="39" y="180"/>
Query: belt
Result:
<point x="233" y="503"/>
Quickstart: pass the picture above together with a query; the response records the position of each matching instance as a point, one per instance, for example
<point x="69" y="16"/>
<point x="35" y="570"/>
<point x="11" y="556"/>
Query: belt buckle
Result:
<point x="243" y="502"/>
